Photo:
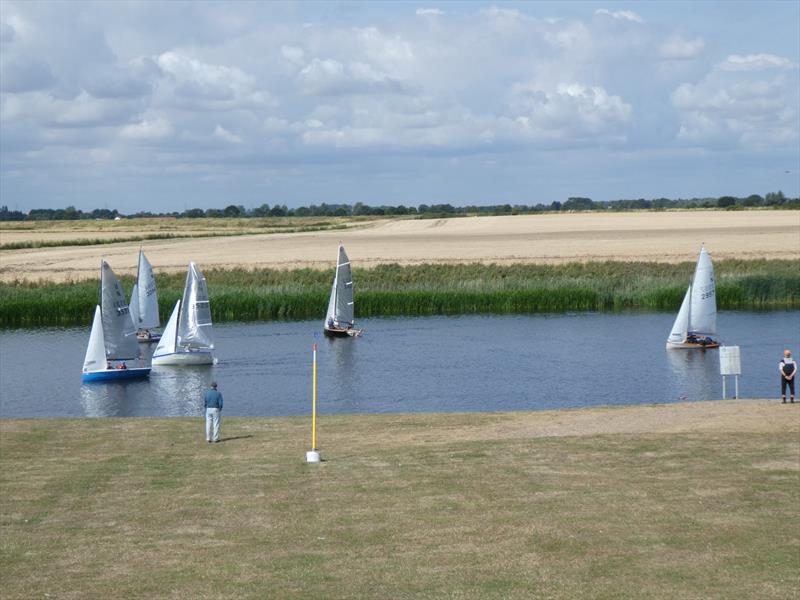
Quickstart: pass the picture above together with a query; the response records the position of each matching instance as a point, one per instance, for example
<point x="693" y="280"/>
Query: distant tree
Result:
<point x="278" y="211"/>
<point x="555" y="205"/>
<point x="303" y="211"/>
<point x="577" y="203"/>
<point x="193" y="213"/>
<point x="233" y="211"/>
<point x="214" y="213"/>
<point x="726" y="201"/>
<point x="11" y="215"/>
<point x="753" y="200"/>
<point x="774" y="198"/>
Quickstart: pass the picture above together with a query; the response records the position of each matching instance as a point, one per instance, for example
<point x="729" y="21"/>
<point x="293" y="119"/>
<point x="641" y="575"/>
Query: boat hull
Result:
<point x="115" y="374"/>
<point x="336" y="332"/>
<point x="184" y="358"/>
<point x="691" y="345"/>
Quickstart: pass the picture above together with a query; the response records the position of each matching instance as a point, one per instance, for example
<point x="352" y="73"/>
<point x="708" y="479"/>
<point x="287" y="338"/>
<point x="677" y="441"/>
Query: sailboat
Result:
<point x="339" y="318"/>
<point x="697" y="318"/>
<point x="112" y="341"/>
<point x="144" y="302"/>
<point x="187" y="337"/>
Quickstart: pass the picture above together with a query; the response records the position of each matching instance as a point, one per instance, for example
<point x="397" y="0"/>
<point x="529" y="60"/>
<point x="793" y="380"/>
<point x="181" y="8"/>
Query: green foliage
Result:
<point x="430" y="289"/>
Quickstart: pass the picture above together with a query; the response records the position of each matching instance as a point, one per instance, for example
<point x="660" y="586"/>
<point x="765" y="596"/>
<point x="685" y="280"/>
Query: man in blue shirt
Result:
<point x="213" y="406"/>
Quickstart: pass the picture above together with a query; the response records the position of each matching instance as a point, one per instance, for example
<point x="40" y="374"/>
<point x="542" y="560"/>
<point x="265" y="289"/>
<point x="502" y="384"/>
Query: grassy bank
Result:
<point x="428" y="506"/>
<point x="386" y="290"/>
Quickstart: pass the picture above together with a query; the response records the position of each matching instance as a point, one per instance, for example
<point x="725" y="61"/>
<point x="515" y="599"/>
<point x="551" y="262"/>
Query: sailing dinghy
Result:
<point x="144" y="302"/>
<point x="339" y="318"/>
<point x="696" y="322"/>
<point x="187" y="338"/>
<point x="112" y="342"/>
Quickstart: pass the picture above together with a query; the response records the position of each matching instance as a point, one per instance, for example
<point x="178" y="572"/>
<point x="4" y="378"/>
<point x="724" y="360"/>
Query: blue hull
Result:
<point x="116" y="374"/>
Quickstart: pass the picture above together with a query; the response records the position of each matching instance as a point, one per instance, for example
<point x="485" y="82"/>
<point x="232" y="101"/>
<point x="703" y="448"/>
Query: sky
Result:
<point x="164" y="106"/>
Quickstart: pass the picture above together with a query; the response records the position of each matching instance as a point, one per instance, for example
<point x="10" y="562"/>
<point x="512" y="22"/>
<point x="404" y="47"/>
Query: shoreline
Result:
<point x="668" y="237"/>
<point x="728" y="415"/>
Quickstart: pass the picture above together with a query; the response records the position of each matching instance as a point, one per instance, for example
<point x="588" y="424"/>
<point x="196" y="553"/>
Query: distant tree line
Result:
<point x="573" y="204"/>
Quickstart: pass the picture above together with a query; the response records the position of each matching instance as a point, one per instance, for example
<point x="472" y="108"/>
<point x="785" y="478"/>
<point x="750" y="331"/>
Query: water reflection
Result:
<point x="694" y="374"/>
<point x="178" y="391"/>
<point x="112" y="399"/>
<point x="342" y="376"/>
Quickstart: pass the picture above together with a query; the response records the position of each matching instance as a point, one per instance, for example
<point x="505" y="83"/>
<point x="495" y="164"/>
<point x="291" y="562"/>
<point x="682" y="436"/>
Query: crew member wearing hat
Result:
<point x="788" y="369"/>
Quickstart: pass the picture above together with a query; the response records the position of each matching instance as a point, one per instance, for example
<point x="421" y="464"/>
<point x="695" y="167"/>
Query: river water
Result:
<point x="433" y="364"/>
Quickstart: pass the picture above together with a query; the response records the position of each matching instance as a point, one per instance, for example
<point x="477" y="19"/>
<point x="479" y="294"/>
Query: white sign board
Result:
<point x="729" y="361"/>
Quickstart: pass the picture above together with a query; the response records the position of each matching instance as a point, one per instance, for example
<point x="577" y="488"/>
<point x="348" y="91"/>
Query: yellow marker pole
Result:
<point x="314" y="402"/>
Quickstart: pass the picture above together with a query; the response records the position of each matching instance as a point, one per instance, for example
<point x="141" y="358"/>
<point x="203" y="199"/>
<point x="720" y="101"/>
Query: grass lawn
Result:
<point x="403" y="506"/>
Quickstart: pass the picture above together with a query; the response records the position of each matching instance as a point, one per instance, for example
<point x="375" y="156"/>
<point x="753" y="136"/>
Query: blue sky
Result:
<point x="173" y="105"/>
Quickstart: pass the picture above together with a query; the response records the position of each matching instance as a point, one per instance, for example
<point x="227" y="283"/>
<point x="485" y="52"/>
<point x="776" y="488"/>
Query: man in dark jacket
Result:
<point x="788" y="369"/>
<point x="213" y="406"/>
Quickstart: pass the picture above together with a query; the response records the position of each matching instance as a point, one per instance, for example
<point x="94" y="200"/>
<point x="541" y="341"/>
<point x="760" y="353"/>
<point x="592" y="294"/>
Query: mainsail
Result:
<point x="698" y="312"/>
<point x="144" y="300"/>
<point x="194" y="323"/>
<point x="340" y="305"/>
<point x="703" y="311"/>
<point x="118" y="331"/>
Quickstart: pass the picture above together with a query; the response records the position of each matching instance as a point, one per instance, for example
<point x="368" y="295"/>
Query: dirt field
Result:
<point x="552" y="238"/>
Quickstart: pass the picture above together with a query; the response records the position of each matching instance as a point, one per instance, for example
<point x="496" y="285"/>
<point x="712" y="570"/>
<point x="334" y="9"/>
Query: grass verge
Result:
<point x="423" y="506"/>
<point x="388" y="290"/>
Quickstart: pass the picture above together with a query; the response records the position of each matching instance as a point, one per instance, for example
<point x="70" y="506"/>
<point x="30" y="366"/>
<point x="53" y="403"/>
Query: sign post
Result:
<point x="730" y="364"/>
<point x="313" y="455"/>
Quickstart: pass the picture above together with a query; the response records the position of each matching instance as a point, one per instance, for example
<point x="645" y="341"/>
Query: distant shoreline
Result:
<point x="669" y="237"/>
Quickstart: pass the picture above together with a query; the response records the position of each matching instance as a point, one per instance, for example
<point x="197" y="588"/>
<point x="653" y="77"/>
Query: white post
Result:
<point x="723" y="387"/>
<point x="736" y="394"/>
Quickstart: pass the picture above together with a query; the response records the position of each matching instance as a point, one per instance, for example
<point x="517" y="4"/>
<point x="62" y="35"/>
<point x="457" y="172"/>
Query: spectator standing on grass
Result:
<point x="213" y="406"/>
<point x="788" y="369"/>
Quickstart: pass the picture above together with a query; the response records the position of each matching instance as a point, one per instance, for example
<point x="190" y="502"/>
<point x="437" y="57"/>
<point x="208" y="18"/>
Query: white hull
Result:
<point x="184" y="358"/>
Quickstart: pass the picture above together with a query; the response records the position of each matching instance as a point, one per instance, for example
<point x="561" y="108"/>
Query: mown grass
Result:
<point x="403" y="507"/>
<point x="386" y="290"/>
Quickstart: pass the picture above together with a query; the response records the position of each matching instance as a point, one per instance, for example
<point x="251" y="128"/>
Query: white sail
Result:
<point x="340" y="305"/>
<point x="167" y="343"/>
<point x="194" y="323"/>
<point x="145" y="307"/>
<point x="133" y="306"/>
<point x="119" y="333"/>
<point x="681" y="325"/>
<point x="703" y="311"/>
<point x="95" y="359"/>
<point x="331" y="314"/>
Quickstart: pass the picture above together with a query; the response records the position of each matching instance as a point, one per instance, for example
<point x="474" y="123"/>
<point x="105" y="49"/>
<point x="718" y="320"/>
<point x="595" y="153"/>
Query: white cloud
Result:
<point x="620" y="15"/>
<point x="747" y="101"/>
<point x="327" y="77"/>
<point x="294" y="54"/>
<point x="223" y="134"/>
<point x="676" y="47"/>
<point x="755" y="62"/>
<point x="199" y="85"/>
<point x="572" y="110"/>
<point x="429" y="12"/>
<point x="150" y="128"/>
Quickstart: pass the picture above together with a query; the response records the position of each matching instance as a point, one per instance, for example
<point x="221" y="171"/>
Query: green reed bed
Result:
<point x="386" y="290"/>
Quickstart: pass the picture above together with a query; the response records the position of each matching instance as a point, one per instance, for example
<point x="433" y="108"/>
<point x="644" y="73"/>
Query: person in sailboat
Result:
<point x="788" y="369"/>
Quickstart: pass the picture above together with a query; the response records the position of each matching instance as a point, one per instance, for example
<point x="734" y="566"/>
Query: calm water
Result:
<point x="439" y="364"/>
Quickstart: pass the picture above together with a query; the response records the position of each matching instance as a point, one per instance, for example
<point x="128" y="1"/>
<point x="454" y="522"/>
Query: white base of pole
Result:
<point x="312" y="456"/>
